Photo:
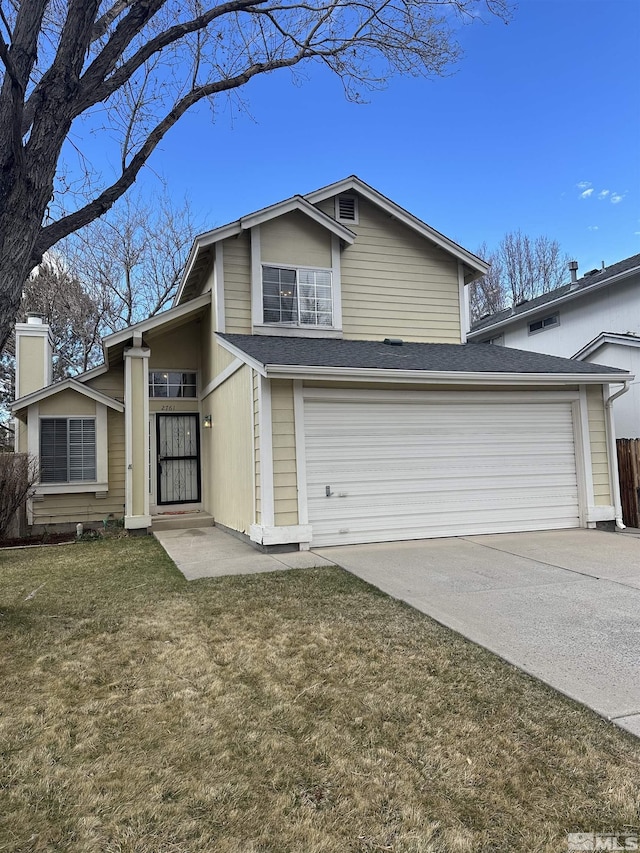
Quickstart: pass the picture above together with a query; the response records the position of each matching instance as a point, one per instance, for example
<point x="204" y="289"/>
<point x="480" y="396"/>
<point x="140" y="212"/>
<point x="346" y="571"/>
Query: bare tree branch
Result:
<point x="141" y="64"/>
<point x="51" y="234"/>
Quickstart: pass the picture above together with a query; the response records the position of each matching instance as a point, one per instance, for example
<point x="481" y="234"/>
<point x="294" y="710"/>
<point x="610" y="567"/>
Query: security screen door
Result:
<point x="178" y="459"/>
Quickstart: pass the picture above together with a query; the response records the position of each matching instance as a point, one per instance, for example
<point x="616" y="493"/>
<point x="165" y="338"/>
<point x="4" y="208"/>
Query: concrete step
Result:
<point x="181" y="521"/>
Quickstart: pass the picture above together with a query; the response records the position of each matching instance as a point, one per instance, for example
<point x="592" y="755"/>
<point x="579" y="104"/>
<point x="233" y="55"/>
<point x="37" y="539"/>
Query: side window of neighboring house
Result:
<point x="297" y="296"/>
<point x="544" y="323"/>
<point x="67" y="450"/>
<point x="498" y="341"/>
<point x="171" y="383"/>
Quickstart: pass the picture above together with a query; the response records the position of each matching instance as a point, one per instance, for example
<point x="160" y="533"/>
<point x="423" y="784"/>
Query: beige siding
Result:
<point x="70" y="509"/>
<point x="285" y="492"/>
<point x="67" y="404"/>
<point x="395" y="283"/>
<point x="177" y="349"/>
<point x="115" y="427"/>
<point x="32" y="365"/>
<point x="230" y="471"/>
<point x="599" y="455"/>
<point x="328" y="206"/>
<point x="295" y="239"/>
<point x="256" y="445"/>
<point x="110" y="383"/>
<point x="85" y="507"/>
<point x="237" y="285"/>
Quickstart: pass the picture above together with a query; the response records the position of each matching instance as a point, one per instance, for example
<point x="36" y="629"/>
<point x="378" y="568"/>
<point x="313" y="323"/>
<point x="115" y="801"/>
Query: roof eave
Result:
<point x="603" y="339"/>
<point x="354" y="183"/>
<point x="362" y="374"/>
<point x="198" y="303"/>
<point x="233" y="229"/>
<point x="566" y="297"/>
<point x="66" y="385"/>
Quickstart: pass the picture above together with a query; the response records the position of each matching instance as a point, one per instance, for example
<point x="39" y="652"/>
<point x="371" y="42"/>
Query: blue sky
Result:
<point x="538" y="129"/>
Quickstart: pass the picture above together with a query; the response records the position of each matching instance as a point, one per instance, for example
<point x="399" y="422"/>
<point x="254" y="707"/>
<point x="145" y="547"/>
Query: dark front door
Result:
<point x="178" y="443"/>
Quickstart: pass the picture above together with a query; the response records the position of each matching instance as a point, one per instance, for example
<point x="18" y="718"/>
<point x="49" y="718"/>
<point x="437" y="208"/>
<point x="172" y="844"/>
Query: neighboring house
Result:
<point x="595" y="318"/>
<point x="312" y="385"/>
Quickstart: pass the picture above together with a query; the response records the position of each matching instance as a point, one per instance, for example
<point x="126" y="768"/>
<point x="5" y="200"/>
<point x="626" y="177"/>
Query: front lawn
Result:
<point x="296" y="712"/>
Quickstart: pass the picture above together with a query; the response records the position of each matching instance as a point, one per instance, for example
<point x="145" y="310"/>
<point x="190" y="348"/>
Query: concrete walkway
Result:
<point x="208" y="552"/>
<point x="563" y="606"/>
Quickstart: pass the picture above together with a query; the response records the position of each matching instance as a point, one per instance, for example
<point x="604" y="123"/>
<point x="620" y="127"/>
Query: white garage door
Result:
<point x="383" y="470"/>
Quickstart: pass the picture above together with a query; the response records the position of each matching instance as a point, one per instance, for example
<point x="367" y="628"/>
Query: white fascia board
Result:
<point x="202" y="241"/>
<point x="67" y="385"/>
<point x="191" y="307"/>
<point x="300" y="204"/>
<point x="606" y="338"/>
<point x="91" y="374"/>
<point x="246" y="359"/>
<point x="553" y="303"/>
<point x="353" y="374"/>
<point x="233" y="229"/>
<point x="402" y="215"/>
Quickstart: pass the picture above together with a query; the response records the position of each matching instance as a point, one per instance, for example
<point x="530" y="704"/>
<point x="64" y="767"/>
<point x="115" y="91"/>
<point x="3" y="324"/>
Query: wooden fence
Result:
<point x="629" y="471"/>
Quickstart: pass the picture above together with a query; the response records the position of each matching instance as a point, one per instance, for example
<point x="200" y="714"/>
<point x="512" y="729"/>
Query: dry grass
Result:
<point x="298" y="712"/>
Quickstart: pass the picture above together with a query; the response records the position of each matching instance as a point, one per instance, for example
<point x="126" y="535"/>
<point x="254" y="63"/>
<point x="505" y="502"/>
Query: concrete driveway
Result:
<point x="563" y="606"/>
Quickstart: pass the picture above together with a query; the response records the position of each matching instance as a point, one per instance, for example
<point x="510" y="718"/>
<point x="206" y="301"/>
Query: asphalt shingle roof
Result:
<point x="376" y="355"/>
<point x="582" y="284"/>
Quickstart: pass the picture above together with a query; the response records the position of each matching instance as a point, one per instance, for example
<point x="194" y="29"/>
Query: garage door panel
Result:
<point x="402" y="470"/>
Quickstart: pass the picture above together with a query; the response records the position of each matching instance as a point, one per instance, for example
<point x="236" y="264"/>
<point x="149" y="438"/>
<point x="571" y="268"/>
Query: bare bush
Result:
<point x="18" y="474"/>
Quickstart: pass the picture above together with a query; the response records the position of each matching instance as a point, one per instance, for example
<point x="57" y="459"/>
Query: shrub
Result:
<point x="18" y="474"/>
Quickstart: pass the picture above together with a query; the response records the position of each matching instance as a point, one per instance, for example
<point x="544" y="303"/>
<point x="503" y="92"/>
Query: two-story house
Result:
<point x="312" y="385"/>
<point x="594" y="318"/>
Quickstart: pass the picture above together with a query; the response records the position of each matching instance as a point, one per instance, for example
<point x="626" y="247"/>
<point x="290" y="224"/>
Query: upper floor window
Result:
<point x="297" y="296"/>
<point x="67" y="450"/>
<point x="544" y="323"/>
<point x="167" y="383"/>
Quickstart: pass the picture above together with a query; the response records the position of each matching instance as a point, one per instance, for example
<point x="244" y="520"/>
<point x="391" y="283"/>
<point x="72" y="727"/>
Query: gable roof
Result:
<point x="355" y="184"/>
<point x="233" y="229"/>
<point x="66" y="385"/>
<point x="113" y="344"/>
<point x="200" y="256"/>
<point x="275" y="356"/>
<point x="615" y="338"/>
<point x="566" y="292"/>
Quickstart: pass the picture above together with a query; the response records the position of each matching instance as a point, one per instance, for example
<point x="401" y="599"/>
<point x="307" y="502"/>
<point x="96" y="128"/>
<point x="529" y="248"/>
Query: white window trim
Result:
<point x="259" y="327"/>
<point x="297" y="268"/>
<point x="101" y="483"/>
<point x="175" y="370"/>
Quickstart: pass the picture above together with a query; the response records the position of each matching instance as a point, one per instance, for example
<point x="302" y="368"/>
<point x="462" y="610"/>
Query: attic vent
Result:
<point x="347" y="208"/>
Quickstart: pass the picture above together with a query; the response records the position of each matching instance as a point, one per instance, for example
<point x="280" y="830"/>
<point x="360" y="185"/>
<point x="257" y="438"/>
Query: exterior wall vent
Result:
<point x="347" y="208"/>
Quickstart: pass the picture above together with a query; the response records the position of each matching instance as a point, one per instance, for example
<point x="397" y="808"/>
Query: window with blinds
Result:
<point x="67" y="450"/>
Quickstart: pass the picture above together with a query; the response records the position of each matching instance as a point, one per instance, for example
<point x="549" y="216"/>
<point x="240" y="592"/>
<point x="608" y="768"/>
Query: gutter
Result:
<point x="613" y="452"/>
<point x="289" y="371"/>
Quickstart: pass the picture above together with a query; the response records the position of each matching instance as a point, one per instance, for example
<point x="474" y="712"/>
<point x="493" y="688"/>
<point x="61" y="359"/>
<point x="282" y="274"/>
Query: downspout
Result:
<point x="613" y="453"/>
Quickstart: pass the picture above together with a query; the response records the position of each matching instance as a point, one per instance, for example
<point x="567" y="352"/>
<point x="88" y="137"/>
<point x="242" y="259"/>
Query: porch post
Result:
<point x="136" y="402"/>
